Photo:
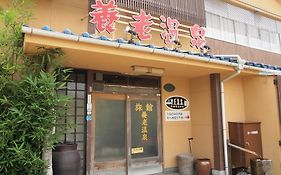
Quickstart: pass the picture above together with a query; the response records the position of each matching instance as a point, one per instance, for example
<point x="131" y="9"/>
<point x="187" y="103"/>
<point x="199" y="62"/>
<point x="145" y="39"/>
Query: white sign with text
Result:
<point x="177" y="115"/>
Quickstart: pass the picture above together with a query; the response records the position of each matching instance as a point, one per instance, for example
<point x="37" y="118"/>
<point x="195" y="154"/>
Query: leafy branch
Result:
<point x="29" y="103"/>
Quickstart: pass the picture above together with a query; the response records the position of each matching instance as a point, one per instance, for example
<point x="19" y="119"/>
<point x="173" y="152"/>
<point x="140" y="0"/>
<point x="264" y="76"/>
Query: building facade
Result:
<point x="136" y="103"/>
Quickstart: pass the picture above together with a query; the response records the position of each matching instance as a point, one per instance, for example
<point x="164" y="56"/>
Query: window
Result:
<point x="75" y="113"/>
<point x="265" y="39"/>
<point x="241" y="32"/>
<point x="254" y="36"/>
<point x="228" y="30"/>
<point x="213" y="25"/>
<point x="265" y="23"/>
<point x="278" y="24"/>
<point x="233" y="24"/>
<point x="275" y="42"/>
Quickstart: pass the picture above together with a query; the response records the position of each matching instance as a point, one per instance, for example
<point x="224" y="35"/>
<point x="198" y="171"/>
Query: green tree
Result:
<point x="29" y="102"/>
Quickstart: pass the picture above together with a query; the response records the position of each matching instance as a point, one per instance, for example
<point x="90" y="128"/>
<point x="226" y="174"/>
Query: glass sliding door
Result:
<point x="109" y="132"/>
<point x="144" y="128"/>
<point x="144" y="135"/>
<point x="126" y="134"/>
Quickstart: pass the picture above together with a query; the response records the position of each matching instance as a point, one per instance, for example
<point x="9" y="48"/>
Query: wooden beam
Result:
<point x="91" y="27"/>
<point x="88" y="142"/>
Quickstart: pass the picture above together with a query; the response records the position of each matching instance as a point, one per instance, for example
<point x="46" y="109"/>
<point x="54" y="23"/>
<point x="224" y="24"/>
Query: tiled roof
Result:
<point x="225" y="58"/>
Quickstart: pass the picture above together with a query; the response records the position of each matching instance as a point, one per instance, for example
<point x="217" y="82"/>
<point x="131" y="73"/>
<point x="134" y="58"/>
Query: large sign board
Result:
<point x="104" y="16"/>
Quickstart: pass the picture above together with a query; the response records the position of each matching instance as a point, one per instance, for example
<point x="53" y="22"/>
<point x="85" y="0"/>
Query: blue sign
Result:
<point x="88" y="118"/>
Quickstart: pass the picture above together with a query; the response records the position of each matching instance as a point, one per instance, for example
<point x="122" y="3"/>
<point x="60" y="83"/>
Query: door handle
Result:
<point x="247" y="143"/>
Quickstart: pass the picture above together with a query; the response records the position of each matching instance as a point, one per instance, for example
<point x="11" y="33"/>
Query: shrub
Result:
<point x="29" y="102"/>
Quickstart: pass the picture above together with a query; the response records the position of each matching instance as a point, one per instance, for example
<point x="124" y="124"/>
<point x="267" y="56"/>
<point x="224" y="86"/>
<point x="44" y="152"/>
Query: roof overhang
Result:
<point x="98" y="54"/>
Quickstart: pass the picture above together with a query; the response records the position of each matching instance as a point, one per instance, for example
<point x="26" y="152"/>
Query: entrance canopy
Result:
<point x="101" y="53"/>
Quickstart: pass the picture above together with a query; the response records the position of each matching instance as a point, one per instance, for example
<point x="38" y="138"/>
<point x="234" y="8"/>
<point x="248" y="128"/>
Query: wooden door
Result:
<point x="126" y="133"/>
<point x="109" y="146"/>
<point x="144" y="135"/>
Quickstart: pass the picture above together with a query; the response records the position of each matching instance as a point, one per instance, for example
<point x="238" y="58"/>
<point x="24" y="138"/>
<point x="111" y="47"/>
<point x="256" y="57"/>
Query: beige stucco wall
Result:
<point x="261" y="106"/>
<point x="175" y="133"/>
<point x="72" y="14"/>
<point x="201" y="117"/>
<point x="61" y="14"/>
<point x="234" y="100"/>
<point x="269" y="8"/>
<point x="272" y="6"/>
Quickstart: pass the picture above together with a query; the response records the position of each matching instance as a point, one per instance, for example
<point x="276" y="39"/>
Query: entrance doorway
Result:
<point x="126" y="134"/>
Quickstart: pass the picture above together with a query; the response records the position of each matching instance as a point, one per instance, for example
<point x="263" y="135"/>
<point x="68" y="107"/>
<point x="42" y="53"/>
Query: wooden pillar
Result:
<point x="90" y="80"/>
<point x="91" y="27"/>
<point x="215" y="81"/>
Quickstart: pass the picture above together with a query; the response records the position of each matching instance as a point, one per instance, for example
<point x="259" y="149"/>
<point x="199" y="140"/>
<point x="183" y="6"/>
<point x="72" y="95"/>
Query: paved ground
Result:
<point x="167" y="174"/>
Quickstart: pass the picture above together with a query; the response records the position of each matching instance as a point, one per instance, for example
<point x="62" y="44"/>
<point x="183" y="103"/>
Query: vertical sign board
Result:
<point x="177" y="106"/>
<point x="144" y="128"/>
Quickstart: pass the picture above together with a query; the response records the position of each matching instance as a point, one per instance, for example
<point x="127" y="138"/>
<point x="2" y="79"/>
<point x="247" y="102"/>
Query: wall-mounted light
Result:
<point x="176" y="43"/>
<point x="147" y="70"/>
<point x="206" y="49"/>
<point x="133" y="34"/>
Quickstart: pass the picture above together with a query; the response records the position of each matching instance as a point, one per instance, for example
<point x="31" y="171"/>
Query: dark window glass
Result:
<point x="110" y="139"/>
<point x="125" y="80"/>
<point x="144" y="82"/>
<point x="75" y="113"/>
<point x="144" y="128"/>
<point x="115" y="79"/>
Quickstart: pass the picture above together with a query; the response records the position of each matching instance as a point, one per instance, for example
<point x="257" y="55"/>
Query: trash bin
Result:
<point x="261" y="166"/>
<point x="185" y="164"/>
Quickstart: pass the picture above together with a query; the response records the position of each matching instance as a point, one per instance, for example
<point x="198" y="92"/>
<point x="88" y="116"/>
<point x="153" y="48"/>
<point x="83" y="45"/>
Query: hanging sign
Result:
<point x="177" y="103"/>
<point x="177" y="115"/>
<point x="104" y="16"/>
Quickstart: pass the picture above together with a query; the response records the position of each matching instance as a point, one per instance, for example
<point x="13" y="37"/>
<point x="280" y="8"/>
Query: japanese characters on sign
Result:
<point x="177" y="105"/>
<point x="197" y="34"/>
<point x="137" y="150"/>
<point x="144" y="111"/>
<point x="105" y="16"/>
<point x="177" y="115"/>
<point x="170" y="29"/>
<point x="142" y="25"/>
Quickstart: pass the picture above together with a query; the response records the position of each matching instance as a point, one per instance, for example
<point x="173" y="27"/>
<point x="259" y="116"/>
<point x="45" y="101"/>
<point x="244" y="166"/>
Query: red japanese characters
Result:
<point x="197" y="34"/>
<point x="105" y="16"/>
<point x="170" y="29"/>
<point x="142" y="25"/>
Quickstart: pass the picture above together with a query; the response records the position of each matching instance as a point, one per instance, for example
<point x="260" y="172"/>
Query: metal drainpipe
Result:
<point x="240" y="66"/>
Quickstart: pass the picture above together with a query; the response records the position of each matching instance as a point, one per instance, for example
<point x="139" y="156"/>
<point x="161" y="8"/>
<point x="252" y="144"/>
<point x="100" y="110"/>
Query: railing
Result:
<point x="186" y="11"/>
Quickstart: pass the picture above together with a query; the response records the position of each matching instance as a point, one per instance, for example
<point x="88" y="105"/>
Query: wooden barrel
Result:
<point x="203" y="166"/>
<point x="66" y="160"/>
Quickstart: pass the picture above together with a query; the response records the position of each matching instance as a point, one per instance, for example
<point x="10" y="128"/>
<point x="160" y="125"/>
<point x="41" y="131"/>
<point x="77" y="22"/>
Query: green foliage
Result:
<point x="28" y="114"/>
<point x="11" y="20"/>
<point x="29" y="103"/>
